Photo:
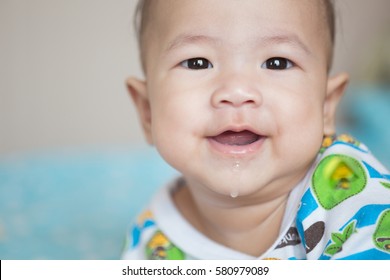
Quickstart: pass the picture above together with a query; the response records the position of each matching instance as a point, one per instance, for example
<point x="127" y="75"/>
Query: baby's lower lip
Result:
<point x="236" y="143"/>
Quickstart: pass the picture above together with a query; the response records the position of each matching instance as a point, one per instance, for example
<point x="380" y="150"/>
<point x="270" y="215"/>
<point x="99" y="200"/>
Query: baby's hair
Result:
<point x="140" y="17"/>
<point x="142" y="13"/>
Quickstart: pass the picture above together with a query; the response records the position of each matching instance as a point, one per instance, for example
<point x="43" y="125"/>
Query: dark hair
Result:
<point x="331" y="18"/>
<point x="140" y="16"/>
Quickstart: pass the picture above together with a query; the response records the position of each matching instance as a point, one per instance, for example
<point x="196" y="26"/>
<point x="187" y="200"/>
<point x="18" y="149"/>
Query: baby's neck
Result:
<point x="244" y="226"/>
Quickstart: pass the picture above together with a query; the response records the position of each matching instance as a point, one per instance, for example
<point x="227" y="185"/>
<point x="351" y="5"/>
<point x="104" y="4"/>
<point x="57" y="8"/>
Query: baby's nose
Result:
<point x="236" y="92"/>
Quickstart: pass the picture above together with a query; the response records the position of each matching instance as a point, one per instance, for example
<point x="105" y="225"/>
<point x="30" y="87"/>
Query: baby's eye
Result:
<point x="277" y="63"/>
<point x="197" y="63"/>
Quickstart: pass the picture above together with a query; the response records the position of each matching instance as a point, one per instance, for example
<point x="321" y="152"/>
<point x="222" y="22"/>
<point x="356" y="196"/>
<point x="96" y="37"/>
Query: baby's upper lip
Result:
<point x="235" y="128"/>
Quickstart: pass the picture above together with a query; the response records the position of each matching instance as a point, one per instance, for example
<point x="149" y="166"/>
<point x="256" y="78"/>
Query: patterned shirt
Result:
<point x="340" y="210"/>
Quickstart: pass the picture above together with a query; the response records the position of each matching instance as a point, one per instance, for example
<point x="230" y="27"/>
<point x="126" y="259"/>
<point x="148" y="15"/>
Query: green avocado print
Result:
<point x="382" y="232"/>
<point x="160" y="248"/>
<point x="337" y="178"/>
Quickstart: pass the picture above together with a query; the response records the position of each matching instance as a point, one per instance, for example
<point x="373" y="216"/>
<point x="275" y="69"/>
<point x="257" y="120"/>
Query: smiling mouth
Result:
<point x="236" y="138"/>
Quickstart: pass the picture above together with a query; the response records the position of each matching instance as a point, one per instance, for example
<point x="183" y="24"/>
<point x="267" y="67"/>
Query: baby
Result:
<point x="238" y="99"/>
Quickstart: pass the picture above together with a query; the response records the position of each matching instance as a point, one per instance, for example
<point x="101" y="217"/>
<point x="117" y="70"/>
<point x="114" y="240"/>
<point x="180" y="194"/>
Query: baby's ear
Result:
<point x="335" y="90"/>
<point x="138" y="92"/>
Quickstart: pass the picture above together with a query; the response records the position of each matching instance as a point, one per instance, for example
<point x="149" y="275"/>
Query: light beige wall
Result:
<point x="63" y="64"/>
<point x="363" y="26"/>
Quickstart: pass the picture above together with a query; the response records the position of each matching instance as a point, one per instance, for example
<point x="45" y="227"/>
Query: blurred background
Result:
<point x="74" y="168"/>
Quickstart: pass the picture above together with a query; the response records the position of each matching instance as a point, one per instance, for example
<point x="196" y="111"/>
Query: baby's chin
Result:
<point x="234" y="186"/>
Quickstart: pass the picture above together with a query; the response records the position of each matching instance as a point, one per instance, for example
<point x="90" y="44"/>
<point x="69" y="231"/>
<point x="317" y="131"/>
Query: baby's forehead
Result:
<point x="157" y="16"/>
<point x="150" y="10"/>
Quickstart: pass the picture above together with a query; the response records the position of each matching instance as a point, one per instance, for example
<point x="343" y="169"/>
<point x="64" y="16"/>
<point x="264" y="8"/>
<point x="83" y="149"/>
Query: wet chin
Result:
<point x="231" y="183"/>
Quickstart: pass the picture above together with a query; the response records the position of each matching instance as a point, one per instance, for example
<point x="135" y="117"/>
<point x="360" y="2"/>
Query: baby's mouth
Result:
<point x="236" y="138"/>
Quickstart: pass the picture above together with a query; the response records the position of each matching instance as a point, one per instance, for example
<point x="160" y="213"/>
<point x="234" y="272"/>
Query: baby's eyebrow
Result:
<point x="186" y="39"/>
<point x="290" y="39"/>
<point x="264" y="41"/>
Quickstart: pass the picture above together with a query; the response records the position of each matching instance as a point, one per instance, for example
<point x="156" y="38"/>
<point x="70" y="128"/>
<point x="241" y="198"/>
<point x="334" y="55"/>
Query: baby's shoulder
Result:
<point x="348" y="200"/>
<point x="147" y="241"/>
<point x="345" y="168"/>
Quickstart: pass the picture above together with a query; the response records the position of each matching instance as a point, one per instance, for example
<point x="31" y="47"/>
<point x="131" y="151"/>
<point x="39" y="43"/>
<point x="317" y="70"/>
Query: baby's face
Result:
<point x="236" y="91"/>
